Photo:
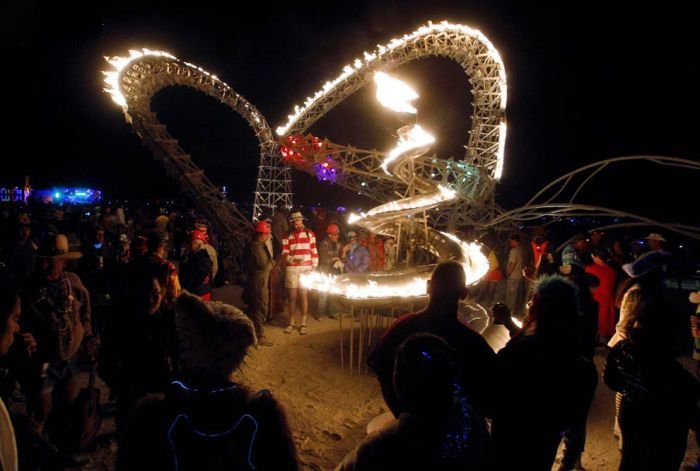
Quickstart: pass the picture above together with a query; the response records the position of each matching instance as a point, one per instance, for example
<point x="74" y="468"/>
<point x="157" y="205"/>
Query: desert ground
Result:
<point x="329" y="408"/>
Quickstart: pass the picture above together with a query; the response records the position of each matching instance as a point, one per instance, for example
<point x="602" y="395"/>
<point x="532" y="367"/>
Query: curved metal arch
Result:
<point x="136" y="80"/>
<point x="597" y="167"/>
<point x="535" y="210"/>
<point x="468" y="47"/>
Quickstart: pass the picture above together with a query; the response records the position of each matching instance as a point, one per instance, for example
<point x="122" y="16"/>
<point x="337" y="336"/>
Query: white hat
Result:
<point x="655" y="236"/>
<point x="296" y="215"/>
<point x="646" y="263"/>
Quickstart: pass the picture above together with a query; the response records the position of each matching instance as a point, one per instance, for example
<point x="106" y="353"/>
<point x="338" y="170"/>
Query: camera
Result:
<point x="499" y="307"/>
<point x="500" y="313"/>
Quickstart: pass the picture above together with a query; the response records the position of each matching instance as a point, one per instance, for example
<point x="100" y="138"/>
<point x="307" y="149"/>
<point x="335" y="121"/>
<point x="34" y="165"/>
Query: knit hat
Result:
<point x="263" y="227"/>
<point x="199" y="235"/>
<point x="213" y="338"/>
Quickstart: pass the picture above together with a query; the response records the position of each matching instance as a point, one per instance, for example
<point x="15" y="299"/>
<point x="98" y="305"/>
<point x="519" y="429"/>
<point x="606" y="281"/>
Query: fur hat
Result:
<point x="646" y="262"/>
<point x="213" y="338"/>
<point x="56" y="246"/>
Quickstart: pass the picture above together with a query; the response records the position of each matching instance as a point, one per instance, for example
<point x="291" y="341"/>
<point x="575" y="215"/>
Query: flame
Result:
<point x="474" y="262"/>
<point x="409" y="139"/>
<point x="369" y="58"/>
<point x="394" y="94"/>
<point x="119" y="64"/>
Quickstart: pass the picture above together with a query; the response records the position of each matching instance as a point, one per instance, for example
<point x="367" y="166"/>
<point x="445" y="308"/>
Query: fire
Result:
<point x="407" y="284"/>
<point x="119" y="64"/>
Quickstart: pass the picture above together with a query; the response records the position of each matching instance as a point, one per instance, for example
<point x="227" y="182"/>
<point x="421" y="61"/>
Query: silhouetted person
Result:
<point x="478" y="369"/>
<point x="545" y="375"/>
<point x="439" y="428"/>
<point x="659" y="397"/>
<point x="205" y="420"/>
<point x="9" y="326"/>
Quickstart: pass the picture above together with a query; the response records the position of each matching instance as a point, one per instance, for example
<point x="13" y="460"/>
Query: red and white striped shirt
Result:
<point x="301" y="247"/>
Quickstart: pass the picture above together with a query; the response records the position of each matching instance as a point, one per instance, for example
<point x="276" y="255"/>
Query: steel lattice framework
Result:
<point x="474" y="178"/>
<point x="140" y="76"/>
<point x="360" y="171"/>
<point x="138" y="79"/>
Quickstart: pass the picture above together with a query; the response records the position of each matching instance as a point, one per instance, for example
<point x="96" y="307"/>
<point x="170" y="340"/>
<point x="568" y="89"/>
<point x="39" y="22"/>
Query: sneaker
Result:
<point x="265" y="342"/>
<point x="289" y="329"/>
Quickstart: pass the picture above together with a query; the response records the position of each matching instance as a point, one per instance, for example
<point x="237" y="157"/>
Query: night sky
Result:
<point x="587" y="81"/>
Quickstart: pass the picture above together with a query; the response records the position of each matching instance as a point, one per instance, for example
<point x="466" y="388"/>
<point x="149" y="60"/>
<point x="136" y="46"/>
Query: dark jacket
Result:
<point x="195" y="272"/>
<point x="479" y="369"/>
<point x="191" y="428"/>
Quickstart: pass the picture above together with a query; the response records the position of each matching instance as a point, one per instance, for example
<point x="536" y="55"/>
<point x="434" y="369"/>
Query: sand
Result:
<point x="329" y="408"/>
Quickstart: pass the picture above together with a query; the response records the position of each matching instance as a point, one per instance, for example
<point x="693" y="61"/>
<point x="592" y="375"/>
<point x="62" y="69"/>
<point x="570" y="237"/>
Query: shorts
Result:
<point x="292" y="278"/>
<point x="59" y="372"/>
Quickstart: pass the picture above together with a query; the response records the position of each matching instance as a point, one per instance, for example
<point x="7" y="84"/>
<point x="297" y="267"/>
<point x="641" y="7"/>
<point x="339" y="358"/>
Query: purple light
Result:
<point x="326" y="171"/>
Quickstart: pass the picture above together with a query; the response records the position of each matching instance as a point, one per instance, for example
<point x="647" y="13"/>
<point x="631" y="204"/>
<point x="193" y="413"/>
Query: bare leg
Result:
<point x="304" y="304"/>
<point x="292" y="304"/>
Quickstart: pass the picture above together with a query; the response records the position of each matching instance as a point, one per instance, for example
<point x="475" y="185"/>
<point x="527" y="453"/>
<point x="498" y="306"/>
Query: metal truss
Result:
<point x="138" y="79"/>
<point x="474" y="177"/>
<point x="361" y="171"/>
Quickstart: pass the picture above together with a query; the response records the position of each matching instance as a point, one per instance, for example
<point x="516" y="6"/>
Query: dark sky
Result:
<point x="587" y="81"/>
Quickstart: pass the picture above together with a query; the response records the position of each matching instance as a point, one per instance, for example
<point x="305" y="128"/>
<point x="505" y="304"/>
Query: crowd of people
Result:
<point x="132" y="295"/>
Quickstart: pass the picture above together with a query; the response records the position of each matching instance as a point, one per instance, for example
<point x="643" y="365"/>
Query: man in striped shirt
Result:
<point x="299" y="251"/>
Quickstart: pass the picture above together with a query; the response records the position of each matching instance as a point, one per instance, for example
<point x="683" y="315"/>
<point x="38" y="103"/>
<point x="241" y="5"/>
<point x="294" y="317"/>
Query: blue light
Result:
<point x="199" y="433"/>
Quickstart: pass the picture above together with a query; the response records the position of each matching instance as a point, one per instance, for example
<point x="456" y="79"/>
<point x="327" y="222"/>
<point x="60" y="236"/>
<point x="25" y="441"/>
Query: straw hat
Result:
<point x="655" y="236"/>
<point x="56" y="246"/>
